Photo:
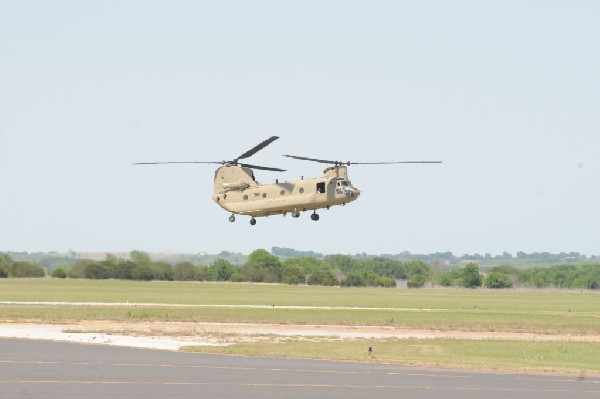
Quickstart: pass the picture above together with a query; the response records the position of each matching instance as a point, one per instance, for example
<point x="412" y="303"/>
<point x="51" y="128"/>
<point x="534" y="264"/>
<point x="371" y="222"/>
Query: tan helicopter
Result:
<point x="237" y="191"/>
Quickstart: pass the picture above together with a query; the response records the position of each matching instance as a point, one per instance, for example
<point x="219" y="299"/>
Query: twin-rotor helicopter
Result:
<point x="237" y="191"/>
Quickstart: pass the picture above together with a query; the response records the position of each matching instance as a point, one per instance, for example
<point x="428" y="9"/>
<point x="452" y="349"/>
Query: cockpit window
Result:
<point x="344" y="183"/>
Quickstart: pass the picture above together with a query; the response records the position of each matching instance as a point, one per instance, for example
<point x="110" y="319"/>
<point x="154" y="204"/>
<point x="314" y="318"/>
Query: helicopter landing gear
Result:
<point x="314" y="216"/>
<point x="232" y="218"/>
<point x="295" y="214"/>
<point x="252" y="221"/>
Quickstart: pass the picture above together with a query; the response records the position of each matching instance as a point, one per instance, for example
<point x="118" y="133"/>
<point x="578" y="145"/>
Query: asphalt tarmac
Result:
<point x="46" y="369"/>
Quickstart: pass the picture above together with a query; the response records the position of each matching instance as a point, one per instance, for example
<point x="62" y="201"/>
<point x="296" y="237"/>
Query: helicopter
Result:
<point x="236" y="189"/>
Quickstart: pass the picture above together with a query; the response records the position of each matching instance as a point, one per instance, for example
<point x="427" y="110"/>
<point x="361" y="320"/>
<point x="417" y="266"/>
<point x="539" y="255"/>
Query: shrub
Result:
<point x="59" y="273"/>
<point x="497" y="280"/>
<point x="25" y="269"/>
<point x="445" y="280"/>
<point x="416" y="281"/>
<point x="470" y="276"/>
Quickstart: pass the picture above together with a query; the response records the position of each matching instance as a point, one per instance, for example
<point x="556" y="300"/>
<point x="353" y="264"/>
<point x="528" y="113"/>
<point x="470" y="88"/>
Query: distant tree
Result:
<point x="416" y="281"/>
<point x="292" y="253"/>
<point x="388" y="267"/>
<point x="261" y="266"/>
<point x="5" y="260"/>
<point x="368" y="276"/>
<point x="535" y="277"/>
<point x="26" y="269"/>
<point x="384" y="281"/>
<point x="60" y="272"/>
<point x="220" y="270"/>
<point x="161" y="271"/>
<point x="497" y="280"/>
<point x="123" y="269"/>
<point x="323" y="277"/>
<point x="293" y="274"/>
<point x="344" y="263"/>
<point x="445" y="279"/>
<point x="471" y="278"/>
<point x="186" y="271"/>
<point x="354" y="280"/>
<point x="306" y="264"/>
<point x="78" y="270"/>
<point x="97" y="271"/>
<point x="262" y="258"/>
<point x="142" y="272"/>
<point x="139" y="257"/>
<point x="6" y="263"/>
<point x="111" y="259"/>
<point x="589" y="276"/>
<point x="418" y="267"/>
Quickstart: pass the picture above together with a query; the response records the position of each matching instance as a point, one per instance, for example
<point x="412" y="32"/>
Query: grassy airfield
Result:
<point x="540" y="312"/>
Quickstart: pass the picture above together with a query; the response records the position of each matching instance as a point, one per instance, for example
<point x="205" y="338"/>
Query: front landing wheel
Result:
<point x="232" y="218"/>
<point x="252" y="221"/>
<point x="314" y="217"/>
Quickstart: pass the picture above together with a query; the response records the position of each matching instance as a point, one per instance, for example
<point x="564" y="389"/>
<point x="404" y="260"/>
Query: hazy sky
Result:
<point x="506" y="93"/>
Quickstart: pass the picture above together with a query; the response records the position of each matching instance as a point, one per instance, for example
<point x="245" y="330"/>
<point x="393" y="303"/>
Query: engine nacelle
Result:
<point x="237" y="185"/>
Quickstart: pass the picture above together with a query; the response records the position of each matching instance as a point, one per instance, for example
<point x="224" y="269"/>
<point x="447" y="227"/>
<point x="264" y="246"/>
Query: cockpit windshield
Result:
<point x="344" y="183"/>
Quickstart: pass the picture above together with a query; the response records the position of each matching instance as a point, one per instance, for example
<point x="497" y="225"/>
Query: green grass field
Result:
<point x="550" y="312"/>
<point x="507" y="356"/>
<point x="469" y="310"/>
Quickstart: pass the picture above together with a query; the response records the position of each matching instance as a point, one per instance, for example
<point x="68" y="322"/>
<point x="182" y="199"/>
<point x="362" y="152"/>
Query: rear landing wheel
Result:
<point x="232" y="218"/>
<point x="314" y="217"/>
<point x="252" y="221"/>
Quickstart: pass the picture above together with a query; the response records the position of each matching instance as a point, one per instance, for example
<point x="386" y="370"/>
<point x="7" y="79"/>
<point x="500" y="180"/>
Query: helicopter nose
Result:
<point x="353" y="193"/>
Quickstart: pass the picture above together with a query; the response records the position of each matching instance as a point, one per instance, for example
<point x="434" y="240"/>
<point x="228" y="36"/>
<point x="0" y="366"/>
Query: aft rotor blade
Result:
<point x="311" y="159"/>
<point x="247" y="165"/>
<point x="257" y="148"/>
<point x="392" y="162"/>
<point x="174" y="162"/>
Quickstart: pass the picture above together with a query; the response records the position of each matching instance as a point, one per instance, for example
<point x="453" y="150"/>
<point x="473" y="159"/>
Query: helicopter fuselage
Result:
<point x="237" y="191"/>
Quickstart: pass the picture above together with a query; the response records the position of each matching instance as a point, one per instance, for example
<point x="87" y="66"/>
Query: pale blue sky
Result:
<point x="506" y="93"/>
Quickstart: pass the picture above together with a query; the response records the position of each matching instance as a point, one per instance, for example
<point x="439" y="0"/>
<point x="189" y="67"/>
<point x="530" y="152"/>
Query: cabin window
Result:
<point x="321" y="188"/>
<point x="245" y="197"/>
<point x="282" y="192"/>
<point x="301" y="190"/>
<point x="264" y="195"/>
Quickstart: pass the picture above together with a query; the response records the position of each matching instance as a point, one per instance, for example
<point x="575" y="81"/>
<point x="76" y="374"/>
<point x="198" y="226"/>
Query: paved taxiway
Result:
<point x="44" y="369"/>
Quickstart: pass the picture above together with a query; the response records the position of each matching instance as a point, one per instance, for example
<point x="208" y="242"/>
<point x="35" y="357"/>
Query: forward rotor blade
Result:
<point x="247" y="165"/>
<point x="174" y="162"/>
<point x="354" y="163"/>
<point x="257" y="148"/>
<point x="311" y="159"/>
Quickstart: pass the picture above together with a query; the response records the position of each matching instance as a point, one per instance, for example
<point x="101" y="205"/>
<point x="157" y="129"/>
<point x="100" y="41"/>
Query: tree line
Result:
<point x="11" y="268"/>
<point x="330" y="270"/>
<point x="586" y="276"/>
<point x="260" y="267"/>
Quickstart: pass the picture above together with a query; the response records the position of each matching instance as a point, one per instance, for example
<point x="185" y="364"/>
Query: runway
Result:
<point x="46" y="369"/>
